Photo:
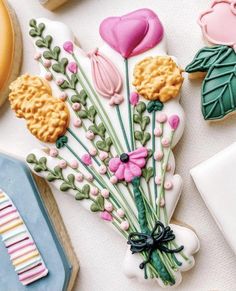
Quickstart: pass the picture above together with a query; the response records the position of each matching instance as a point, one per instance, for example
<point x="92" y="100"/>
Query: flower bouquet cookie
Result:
<point x="108" y="121"/>
<point x="216" y="63"/>
<point x="10" y="48"/>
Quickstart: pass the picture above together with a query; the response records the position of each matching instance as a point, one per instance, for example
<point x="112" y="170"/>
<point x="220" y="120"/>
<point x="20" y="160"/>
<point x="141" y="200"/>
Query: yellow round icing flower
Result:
<point x="158" y="78"/>
<point x="31" y="98"/>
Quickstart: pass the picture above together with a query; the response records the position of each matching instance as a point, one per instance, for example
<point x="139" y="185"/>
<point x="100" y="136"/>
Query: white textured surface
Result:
<point x="99" y="249"/>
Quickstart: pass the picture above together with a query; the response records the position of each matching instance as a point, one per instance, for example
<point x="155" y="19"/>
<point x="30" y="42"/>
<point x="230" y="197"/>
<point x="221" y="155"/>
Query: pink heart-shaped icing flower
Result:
<point x="133" y="33"/>
<point x="218" y="23"/>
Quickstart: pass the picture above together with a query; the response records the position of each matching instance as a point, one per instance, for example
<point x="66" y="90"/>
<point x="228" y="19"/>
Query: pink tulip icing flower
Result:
<point x="68" y="47"/>
<point x="86" y="159"/>
<point x="129" y="165"/>
<point x="174" y="122"/>
<point x="72" y="67"/>
<point x="218" y="23"/>
<point x="106" y="216"/>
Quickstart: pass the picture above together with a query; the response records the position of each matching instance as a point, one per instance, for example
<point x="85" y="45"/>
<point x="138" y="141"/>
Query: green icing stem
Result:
<point x="122" y="127"/>
<point x="110" y="128"/>
<point x="153" y="160"/>
<point x="156" y="260"/>
<point x="131" y="127"/>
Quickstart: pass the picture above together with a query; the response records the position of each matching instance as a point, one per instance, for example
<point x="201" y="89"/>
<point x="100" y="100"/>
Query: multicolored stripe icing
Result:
<point x="23" y="252"/>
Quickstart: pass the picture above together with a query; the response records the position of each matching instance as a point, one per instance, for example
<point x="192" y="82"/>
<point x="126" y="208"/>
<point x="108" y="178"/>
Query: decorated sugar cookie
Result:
<point x="216" y="63"/>
<point x="10" y="49"/>
<point x="115" y="156"/>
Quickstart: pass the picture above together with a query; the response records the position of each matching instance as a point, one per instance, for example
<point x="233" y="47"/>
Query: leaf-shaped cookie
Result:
<point x="219" y="87"/>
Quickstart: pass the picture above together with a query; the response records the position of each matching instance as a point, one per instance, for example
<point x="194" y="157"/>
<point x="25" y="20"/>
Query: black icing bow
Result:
<point x="156" y="240"/>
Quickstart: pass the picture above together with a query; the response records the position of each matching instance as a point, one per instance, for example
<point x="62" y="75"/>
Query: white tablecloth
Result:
<point x="99" y="249"/>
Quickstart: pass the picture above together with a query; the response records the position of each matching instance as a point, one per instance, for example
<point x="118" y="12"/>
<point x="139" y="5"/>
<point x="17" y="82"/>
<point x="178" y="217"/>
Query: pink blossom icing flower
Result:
<point x="63" y="96"/>
<point x="124" y="225"/>
<point x="47" y="63"/>
<point x="74" y="164"/>
<point x="94" y="191"/>
<point x="77" y="122"/>
<point x="134" y="98"/>
<point x="102" y="169"/>
<point x="48" y="76"/>
<point x="210" y="21"/>
<point x="89" y="135"/>
<point x="72" y="67"/>
<point x="161" y="117"/>
<point x="108" y="206"/>
<point x="76" y="106"/>
<point x="106" y="216"/>
<point x="133" y="33"/>
<point x="68" y="47"/>
<point x="120" y="212"/>
<point x="59" y="81"/>
<point x="103" y="156"/>
<point x="92" y="151"/>
<point x="37" y="56"/>
<point x="113" y="180"/>
<point x="129" y="165"/>
<point x="105" y="193"/>
<point x="53" y="152"/>
<point x="158" y="131"/>
<point x="86" y="159"/>
<point x="174" y="121"/>
<point x="165" y="142"/>
<point x="79" y="177"/>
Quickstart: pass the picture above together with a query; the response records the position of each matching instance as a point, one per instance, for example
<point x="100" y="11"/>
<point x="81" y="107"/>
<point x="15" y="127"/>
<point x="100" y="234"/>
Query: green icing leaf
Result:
<point x="148" y="173"/>
<point x="43" y="163"/>
<point x="81" y="98"/>
<point x="141" y="107"/>
<point x="50" y="177"/>
<point x="91" y="113"/>
<point x="98" y="205"/>
<point x="65" y="186"/>
<point x="83" y="114"/>
<point x="44" y="42"/>
<point x="98" y="130"/>
<point x="145" y="122"/>
<point x="74" y="81"/>
<point x="32" y="23"/>
<point x="104" y="145"/>
<point x="84" y="193"/>
<point x="60" y="67"/>
<point x="137" y="118"/>
<point x="206" y="58"/>
<point x="31" y="159"/>
<point x="58" y="172"/>
<point x="138" y="135"/>
<point x="38" y="168"/>
<point x="142" y="137"/>
<point x="219" y="87"/>
<point x="52" y="54"/>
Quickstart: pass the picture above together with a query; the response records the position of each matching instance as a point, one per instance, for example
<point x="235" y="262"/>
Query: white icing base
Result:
<point x="184" y="236"/>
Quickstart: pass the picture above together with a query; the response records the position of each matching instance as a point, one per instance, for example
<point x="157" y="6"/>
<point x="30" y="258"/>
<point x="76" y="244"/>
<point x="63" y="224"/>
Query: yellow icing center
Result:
<point x="7" y="44"/>
<point x="31" y="98"/>
<point x="158" y="78"/>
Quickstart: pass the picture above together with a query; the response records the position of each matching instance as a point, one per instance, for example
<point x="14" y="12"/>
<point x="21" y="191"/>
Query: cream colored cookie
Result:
<point x="10" y="48"/>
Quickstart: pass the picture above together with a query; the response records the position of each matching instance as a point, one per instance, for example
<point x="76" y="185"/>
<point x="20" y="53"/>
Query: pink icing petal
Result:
<point x="139" y="153"/>
<point x="72" y="67"/>
<point x="68" y="47"/>
<point x="128" y="174"/>
<point x="135" y="170"/>
<point x="106" y="216"/>
<point x="114" y="164"/>
<point x="133" y="33"/>
<point x="141" y="162"/>
<point x="120" y="172"/>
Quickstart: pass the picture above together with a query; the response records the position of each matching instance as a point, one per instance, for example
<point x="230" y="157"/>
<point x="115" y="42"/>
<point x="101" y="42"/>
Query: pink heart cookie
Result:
<point x="133" y="33"/>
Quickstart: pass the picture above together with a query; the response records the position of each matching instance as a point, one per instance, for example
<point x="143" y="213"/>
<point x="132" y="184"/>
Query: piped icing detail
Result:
<point x="133" y="33"/>
<point x="218" y="23"/>
<point x="24" y="254"/>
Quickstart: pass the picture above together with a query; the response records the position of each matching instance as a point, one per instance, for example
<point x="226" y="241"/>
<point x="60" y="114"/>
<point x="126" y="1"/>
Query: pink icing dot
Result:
<point x="89" y="177"/>
<point x="158" y="155"/>
<point x="103" y="156"/>
<point x="62" y="164"/>
<point x="158" y="132"/>
<point x="53" y="152"/>
<point x="77" y="122"/>
<point x="168" y="168"/>
<point x="92" y="151"/>
<point x="48" y="76"/>
<point x="76" y="106"/>
<point x="59" y="81"/>
<point x="161" y="117"/>
<point x="134" y="98"/>
<point x="63" y="96"/>
<point x="158" y="180"/>
<point x="89" y="135"/>
<point x="106" y="216"/>
<point x="165" y="142"/>
<point x="162" y="202"/>
<point x="108" y="206"/>
<point x="47" y="63"/>
<point x="94" y="191"/>
<point x="174" y="122"/>
<point x="102" y="170"/>
<point x="86" y="159"/>
<point x="79" y="177"/>
<point x="37" y="56"/>
<point x="113" y="180"/>
<point x="120" y="212"/>
<point x="124" y="225"/>
<point x="168" y="185"/>
<point x="105" y="193"/>
<point x="74" y="164"/>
